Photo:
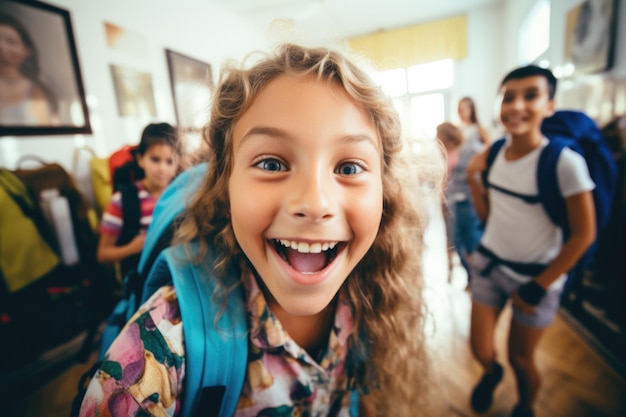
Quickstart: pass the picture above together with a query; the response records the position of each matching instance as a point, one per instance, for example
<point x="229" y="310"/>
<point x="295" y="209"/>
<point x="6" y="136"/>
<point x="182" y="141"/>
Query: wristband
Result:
<point x="531" y="293"/>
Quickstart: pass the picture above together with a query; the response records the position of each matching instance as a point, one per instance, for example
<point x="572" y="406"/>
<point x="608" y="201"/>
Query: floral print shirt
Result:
<point x="144" y="369"/>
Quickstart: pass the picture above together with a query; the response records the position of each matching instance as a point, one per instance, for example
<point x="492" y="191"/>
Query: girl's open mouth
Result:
<point x="307" y="258"/>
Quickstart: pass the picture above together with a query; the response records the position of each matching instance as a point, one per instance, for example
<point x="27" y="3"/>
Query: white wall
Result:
<point x="196" y="28"/>
<point x="495" y="47"/>
<point x="206" y="31"/>
<point x="480" y="73"/>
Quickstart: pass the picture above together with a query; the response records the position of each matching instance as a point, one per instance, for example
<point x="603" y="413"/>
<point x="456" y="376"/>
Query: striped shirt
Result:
<point x="113" y="217"/>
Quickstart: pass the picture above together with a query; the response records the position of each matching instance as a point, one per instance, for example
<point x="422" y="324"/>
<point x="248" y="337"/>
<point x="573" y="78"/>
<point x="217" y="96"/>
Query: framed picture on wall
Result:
<point x="192" y="84"/>
<point x="41" y="88"/>
<point x="134" y="92"/>
<point x="590" y="36"/>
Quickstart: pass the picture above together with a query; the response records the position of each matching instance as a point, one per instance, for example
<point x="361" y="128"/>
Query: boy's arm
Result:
<point x="581" y="218"/>
<point x="475" y="169"/>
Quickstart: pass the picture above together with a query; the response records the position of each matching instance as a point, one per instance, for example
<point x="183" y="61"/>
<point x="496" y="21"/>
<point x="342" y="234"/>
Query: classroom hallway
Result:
<point x="578" y="381"/>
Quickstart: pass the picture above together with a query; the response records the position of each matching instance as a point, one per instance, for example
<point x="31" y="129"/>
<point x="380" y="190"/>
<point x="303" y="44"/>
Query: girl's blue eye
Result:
<point x="271" y="164"/>
<point x="349" y="168"/>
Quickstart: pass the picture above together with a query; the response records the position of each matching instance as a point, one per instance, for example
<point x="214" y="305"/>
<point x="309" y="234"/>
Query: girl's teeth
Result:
<point x="304" y="247"/>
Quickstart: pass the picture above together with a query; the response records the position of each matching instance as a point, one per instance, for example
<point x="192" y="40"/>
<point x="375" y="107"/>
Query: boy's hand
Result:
<point x="521" y="304"/>
<point x="528" y="296"/>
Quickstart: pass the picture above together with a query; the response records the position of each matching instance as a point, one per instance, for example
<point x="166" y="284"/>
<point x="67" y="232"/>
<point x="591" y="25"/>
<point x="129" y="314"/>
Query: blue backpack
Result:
<point x="576" y="130"/>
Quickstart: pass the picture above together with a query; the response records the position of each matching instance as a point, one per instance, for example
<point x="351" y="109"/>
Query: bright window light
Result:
<point x="427" y="111"/>
<point x="534" y="37"/>
<point x="436" y="75"/>
<point x="393" y="82"/>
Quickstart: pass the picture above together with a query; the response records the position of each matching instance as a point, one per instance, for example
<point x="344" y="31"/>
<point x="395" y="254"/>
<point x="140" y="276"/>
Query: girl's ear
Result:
<point x="139" y="159"/>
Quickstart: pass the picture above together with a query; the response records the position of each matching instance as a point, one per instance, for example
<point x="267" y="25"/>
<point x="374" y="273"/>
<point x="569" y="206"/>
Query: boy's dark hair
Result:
<point x="157" y="133"/>
<point x="531" y="71"/>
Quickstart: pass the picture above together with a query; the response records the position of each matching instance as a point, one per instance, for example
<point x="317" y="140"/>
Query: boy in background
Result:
<point x="522" y="255"/>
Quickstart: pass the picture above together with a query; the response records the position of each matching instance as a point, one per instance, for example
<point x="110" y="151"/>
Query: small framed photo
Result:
<point x="590" y="36"/>
<point x="41" y="87"/>
<point x="192" y="85"/>
<point x="134" y="92"/>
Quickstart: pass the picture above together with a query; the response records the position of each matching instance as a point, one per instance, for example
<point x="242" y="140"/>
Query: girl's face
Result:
<point x="306" y="192"/>
<point x="465" y="112"/>
<point x="159" y="164"/>
<point x="12" y="48"/>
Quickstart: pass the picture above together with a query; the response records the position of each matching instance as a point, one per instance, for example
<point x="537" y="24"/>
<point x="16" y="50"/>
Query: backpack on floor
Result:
<point x="52" y="300"/>
<point x="576" y="130"/>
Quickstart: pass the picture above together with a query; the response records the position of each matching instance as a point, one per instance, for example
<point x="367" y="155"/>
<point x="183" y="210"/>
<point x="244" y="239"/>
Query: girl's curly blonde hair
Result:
<point x="388" y="353"/>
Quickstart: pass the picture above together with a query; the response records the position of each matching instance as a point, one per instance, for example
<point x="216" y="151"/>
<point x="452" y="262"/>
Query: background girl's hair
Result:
<point x="388" y="355"/>
<point x="158" y="133"/>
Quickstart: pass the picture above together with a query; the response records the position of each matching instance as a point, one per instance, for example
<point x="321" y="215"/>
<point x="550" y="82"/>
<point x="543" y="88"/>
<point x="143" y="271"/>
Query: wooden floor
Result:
<point x="577" y="380"/>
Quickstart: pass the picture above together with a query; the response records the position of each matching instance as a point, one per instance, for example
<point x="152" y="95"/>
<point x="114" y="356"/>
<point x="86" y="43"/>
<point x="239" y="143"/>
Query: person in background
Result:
<point x="463" y="222"/>
<point x="473" y="131"/>
<point x="157" y="157"/>
<point x="451" y="138"/>
<point x="309" y="196"/>
<point x="522" y="255"/>
<point x="25" y="100"/>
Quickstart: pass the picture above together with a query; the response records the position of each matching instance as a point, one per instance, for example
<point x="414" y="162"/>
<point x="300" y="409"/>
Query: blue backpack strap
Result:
<point x="491" y="156"/>
<point x="216" y="352"/>
<point x="548" y="184"/>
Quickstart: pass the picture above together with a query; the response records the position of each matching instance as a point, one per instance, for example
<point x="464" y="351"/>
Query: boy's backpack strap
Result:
<point x="216" y="350"/>
<point x="491" y="156"/>
<point x="548" y="184"/>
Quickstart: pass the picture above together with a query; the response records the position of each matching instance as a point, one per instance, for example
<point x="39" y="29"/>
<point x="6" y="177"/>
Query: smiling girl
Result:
<point x="305" y="194"/>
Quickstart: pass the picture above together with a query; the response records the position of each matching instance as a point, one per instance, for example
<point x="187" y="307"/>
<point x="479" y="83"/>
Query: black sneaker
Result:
<point x="519" y="412"/>
<point x="482" y="396"/>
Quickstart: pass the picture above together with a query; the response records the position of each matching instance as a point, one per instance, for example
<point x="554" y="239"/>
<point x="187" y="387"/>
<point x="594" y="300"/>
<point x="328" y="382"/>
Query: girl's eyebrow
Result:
<point x="281" y="134"/>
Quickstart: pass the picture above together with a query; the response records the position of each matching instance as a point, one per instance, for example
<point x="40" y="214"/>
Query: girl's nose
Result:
<point x="311" y="197"/>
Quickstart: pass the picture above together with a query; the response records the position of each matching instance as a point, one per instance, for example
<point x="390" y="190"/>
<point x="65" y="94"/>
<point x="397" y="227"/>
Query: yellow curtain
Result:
<point x="418" y="44"/>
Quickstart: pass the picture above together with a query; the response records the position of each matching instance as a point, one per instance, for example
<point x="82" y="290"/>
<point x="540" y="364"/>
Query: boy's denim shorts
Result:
<point x="495" y="290"/>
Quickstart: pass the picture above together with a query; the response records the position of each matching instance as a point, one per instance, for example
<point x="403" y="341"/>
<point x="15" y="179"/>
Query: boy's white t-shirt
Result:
<point x="522" y="232"/>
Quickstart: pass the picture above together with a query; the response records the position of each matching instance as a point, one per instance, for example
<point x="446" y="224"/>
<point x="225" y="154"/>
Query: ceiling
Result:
<point x="329" y="20"/>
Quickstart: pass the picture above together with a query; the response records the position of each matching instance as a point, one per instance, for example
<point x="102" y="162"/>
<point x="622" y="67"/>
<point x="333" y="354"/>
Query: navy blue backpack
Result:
<point x="576" y="130"/>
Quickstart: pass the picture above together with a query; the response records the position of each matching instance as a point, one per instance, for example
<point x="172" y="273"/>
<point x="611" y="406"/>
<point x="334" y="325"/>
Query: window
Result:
<point x="534" y="38"/>
<point x="420" y="94"/>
